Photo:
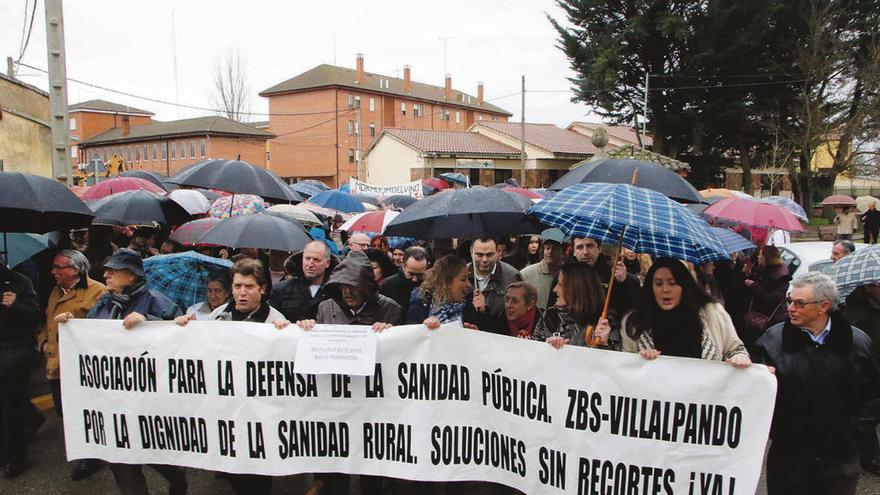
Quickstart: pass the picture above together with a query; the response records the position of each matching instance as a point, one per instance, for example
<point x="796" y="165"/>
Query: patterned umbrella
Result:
<point x="237" y="205"/>
<point x="754" y="213"/>
<point x="188" y="234"/>
<point x="294" y="213"/>
<point x="732" y="241"/>
<point x="789" y="204"/>
<point x="183" y="276"/>
<point x="119" y="184"/>
<point x="372" y="221"/>
<point x="336" y="200"/>
<point x="653" y="223"/>
<point x="859" y="268"/>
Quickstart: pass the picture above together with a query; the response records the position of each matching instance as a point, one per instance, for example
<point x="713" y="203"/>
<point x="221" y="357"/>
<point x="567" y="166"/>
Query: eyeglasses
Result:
<point x="61" y="267"/>
<point x="799" y="304"/>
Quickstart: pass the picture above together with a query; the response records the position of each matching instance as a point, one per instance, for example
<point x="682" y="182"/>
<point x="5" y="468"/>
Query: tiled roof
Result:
<point x="217" y="126"/>
<point x="452" y="142"/>
<point x="331" y="75"/>
<point x="623" y="132"/>
<point x="106" y="106"/>
<point x="546" y="136"/>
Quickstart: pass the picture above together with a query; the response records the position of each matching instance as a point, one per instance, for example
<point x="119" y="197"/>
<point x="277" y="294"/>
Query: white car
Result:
<point x="801" y="257"/>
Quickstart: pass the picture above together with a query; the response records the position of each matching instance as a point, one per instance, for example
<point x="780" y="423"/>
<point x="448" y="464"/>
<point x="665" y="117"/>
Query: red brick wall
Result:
<point x="90" y="124"/>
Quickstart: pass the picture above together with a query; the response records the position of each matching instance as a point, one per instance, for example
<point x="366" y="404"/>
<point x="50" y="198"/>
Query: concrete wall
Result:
<point x="390" y="162"/>
<point x="25" y="138"/>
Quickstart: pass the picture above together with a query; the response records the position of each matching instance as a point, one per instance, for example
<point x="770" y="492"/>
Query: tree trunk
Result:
<point x="746" y="163"/>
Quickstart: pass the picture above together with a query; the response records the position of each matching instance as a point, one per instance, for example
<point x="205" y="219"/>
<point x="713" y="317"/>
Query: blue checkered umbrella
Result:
<point x="732" y="241"/>
<point x="654" y="223"/>
<point x="183" y="276"/>
<point x="857" y="269"/>
<point x="306" y="190"/>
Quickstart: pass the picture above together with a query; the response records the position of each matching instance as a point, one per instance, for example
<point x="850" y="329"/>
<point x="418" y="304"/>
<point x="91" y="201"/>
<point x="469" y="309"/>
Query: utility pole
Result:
<point x="58" y="117"/>
<point x="357" y="131"/>
<point x="645" y="111"/>
<point x="522" y="134"/>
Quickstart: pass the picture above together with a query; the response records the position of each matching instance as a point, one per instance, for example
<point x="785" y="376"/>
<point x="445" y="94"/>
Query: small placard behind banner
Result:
<point x="345" y="349"/>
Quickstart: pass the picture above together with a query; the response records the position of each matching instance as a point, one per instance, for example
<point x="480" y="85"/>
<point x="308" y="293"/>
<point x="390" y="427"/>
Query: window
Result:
<point x="73" y="150"/>
<point x="137" y="153"/>
<point x="192" y="149"/>
<point x="350" y="100"/>
<point x="155" y="151"/>
<point x="403" y="108"/>
<point x="502" y="174"/>
<point x="104" y="154"/>
<point x="479" y="117"/>
<point x="173" y="151"/>
<point x="444" y="114"/>
<point x="372" y="104"/>
<point x="202" y="148"/>
<point x="418" y="108"/>
<point x="72" y="124"/>
<point x="354" y="101"/>
<point x="128" y="153"/>
<point x="351" y="155"/>
<point x="183" y="150"/>
<point x="164" y="151"/>
<point x="372" y="130"/>
<point x="457" y="117"/>
<point x="351" y="128"/>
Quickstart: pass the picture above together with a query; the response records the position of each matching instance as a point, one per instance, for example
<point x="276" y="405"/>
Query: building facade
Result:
<point x="93" y="117"/>
<point x="25" y="137"/>
<point x="325" y="118"/>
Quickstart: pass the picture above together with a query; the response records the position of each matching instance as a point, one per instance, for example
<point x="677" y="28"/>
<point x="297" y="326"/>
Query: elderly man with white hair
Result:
<point x="828" y="396"/>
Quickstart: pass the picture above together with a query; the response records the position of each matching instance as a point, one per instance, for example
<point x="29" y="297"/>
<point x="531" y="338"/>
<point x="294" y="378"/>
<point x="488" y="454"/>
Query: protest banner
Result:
<point x="413" y="188"/>
<point x="452" y="404"/>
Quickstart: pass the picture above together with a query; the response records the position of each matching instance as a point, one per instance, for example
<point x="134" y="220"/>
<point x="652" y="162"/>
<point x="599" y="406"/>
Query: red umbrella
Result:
<point x="838" y="200"/>
<point x="522" y="192"/>
<point x="188" y="234"/>
<point x="118" y="185"/>
<point x="754" y="213"/>
<point x="371" y="221"/>
<point x="436" y="183"/>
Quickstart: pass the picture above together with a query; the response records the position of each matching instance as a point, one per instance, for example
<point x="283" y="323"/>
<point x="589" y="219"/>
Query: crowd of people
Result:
<point x="547" y="288"/>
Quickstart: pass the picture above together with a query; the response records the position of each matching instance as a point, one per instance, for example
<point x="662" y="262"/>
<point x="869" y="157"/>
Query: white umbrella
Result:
<point x="194" y="202"/>
<point x="862" y="202"/>
<point x="297" y="213"/>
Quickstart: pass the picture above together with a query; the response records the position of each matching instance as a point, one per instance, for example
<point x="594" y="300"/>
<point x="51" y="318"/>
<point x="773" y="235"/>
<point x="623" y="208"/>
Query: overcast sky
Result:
<point x="132" y="47"/>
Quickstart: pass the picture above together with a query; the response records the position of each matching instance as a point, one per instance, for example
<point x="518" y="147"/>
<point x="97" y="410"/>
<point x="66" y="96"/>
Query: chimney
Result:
<point x="448" y="87"/>
<point x="407" y="83"/>
<point x="359" y="79"/>
<point x="125" y="125"/>
<point x="480" y="93"/>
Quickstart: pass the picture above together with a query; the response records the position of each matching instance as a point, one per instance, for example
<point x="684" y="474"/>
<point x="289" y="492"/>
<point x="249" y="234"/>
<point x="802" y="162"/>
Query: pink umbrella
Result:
<point x="118" y="185"/>
<point x="188" y="234"/>
<point x="371" y="221"/>
<point x="754" y="213"/>
<point x="526" y="193"/>
<point x="838" y="200"/>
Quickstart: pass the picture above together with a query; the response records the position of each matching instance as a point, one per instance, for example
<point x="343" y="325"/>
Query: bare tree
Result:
<point x="231" y="87"/>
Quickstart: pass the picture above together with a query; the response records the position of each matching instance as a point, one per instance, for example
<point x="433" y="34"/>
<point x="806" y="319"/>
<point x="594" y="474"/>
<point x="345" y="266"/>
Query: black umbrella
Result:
<point x="261" y="231"/>
<point x="651" y="176"/>
<point x="465" y="213"/>
<point x="399" y="201"/>
<point x="30" y="203"/>
<point x="153" y="177"/>
<point x="138" y="208"/>
<point x="320" y="185"/>
<point x="235" y="176"/>
<point x="366" y="198"/>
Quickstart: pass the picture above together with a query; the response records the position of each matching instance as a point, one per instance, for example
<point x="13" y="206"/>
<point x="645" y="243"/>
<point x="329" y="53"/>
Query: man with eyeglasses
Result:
<point x="358" y="242"/>
<point x="400" y="286"/>
<point x="828" y="395"/>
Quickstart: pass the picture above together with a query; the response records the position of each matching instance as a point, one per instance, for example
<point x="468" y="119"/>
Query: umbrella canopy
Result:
<point x="367" y="199"/>
<point x="732" y="241"/>
<point x="372" y="221"/>
<point x="653" y="223"/>
<point x="189" y="233"/>
<point x="261" y="231"/>
<point x="721" y="192"/>
<point x="183" y="277"/>
<point x="526" y="193"/>
<point x="306" y="190"/>
<point x="838" y="200"/>
<point x="236" y="205"/>
<point x="754" y="213"/>
<point x="465" y="213"/>
<point x="211" y="195"/>
<point x="19" y="246"/>
<point x="153" y="177"/>
<point x="138" y="208"/>
<point x="859" y="268"/>
<point x="79" y="190"/>
<point x="295" y="214"/>
<point x="399" y="201"/>
<point x="790" y="205"/>
<point x="863" y="202"/>
<point x="118" y="185"/>
<point x="651" y="176"/>
<point x="191" y="200"/>
<point x="456" y="178"/>
<point x="436" y="183"/>
<point x="30" y="203"/>
<point x="336" y="200"/>
<point x="314" y="182"/>
<point x="237" y="177"/>
<point x="321" y="211"/>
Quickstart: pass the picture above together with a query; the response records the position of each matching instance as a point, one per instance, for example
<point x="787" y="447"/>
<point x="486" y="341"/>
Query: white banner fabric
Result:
<point x="413" y="188"/>
<point x="452" y="404"/>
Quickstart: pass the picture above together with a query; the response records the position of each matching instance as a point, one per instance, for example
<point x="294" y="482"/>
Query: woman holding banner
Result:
<point x="579" y="297"/>
<point x="443" y="296"/>
<point x="674" y="317"/>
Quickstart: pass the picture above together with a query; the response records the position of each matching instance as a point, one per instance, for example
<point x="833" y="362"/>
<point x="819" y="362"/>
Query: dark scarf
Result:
<point x="677" y="334"/>
<point x="119" y="302"/>
<point x="522" y="327"/>
<point x="259" y="315"/>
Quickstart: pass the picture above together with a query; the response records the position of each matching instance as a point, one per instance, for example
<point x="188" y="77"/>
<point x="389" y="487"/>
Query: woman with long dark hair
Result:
<point x="579" y="298"/>
<point x="674" y="317"/>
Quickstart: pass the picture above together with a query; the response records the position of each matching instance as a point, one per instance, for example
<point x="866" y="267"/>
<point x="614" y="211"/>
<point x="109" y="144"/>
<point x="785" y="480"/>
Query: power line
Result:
<point x="26" y="39"/>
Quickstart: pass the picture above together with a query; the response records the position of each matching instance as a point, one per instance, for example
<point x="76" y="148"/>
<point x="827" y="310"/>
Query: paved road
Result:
<point x="48" y="474"/>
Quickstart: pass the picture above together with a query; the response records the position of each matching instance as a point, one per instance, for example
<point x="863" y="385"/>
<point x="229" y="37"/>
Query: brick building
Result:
<point x="166" y="147"/>
<point x="90" y="118"/>
<point x="314" y="116"/>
